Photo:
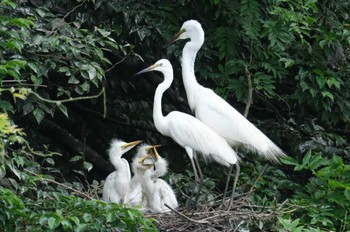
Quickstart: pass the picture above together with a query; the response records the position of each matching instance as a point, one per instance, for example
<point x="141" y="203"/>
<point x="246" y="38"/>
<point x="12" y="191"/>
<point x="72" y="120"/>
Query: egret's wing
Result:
<point x="233" y="126"/>
<point x="110" y="192"/>
<point x="135" y="195"/>
<point x="167" y="194"/>
<point x="189" y="131"/>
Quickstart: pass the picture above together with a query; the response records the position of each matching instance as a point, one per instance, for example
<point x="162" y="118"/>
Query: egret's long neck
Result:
<point x="158" y="117"/>
<point x="122" y="166"/>
<point x="189" y="54"/>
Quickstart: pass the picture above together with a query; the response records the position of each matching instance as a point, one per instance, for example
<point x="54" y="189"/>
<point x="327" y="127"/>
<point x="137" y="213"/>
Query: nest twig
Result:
<point x="217" y="218"/>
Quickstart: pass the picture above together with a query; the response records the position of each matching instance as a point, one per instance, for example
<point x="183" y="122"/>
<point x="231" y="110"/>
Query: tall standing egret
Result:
<point x="140" y="163"/>
<point x="157" y="191"/>
<point x="211" y="109"/>
<point x="117" y="184"/>
<point x="184" y="129"/>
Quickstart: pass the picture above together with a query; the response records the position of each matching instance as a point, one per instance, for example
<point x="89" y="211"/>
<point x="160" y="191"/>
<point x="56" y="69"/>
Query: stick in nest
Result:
<point x="184" y="216"/>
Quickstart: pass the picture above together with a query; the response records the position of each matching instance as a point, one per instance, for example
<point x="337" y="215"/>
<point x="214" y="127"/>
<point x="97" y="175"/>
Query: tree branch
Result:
<point x="74" y="145"/>
<point x="250" y="90"/>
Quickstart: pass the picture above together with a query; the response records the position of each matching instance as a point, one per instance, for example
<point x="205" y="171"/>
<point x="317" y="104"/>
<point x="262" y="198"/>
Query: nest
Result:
<point x="241" y="216"/>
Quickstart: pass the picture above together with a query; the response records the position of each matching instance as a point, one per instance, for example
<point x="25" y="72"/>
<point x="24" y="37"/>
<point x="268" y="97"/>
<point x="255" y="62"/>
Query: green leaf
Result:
<point x="73" y="80"/>
<point x="9" y="2"/>
<point x="289" y="161"/>
<point x="328" y="94"/>
<point x="317" y="161"/>
<point x="88" y="166"/>
<point x="50" y="161"/>
<point x="92" y="72"/>
<point x="22" y="22"/>
<point x="81" y="227"/>
<point x="52" y="222"/>
<point x="287" y="62"/>
<point x="347" y="194"/>
<point x="321" y="81"/>
<point x="66" y="225"/>
<point x="104" y="33"/>
<point x="76" y="158"/>
<point x="39" y="115"/>
<point x="63" y="109"/>
<point x="87" y="217"/>
<point x="43" y="220"/>
<point x="333" y="82"/>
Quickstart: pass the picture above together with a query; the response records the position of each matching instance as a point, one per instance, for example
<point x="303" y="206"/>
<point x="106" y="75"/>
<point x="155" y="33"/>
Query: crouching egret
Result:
<point x="140" y="163"/>
<point x="157" y="191"/>
<point x="117" y="184"/>
<point x="186" y="130"/>
<point x="211" y="109"/>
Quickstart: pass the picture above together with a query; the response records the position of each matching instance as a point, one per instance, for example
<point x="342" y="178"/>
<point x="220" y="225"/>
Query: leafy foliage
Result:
<point x="44" y="51"/>
<point x="324" y="201"/>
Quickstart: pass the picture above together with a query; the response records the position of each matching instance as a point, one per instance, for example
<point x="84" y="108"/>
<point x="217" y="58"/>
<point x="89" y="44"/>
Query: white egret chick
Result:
<point x="157" y="191"/>
<point x="117" y="184"/>
<point x="140" y="163"/>
<point x="186" y="130"/>
<point x="211" y="109"/>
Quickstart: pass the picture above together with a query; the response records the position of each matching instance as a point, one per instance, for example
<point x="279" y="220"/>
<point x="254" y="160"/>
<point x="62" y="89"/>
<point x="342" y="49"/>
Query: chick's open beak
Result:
<point x="150" y="154"/>
<point x="155" y="152"/>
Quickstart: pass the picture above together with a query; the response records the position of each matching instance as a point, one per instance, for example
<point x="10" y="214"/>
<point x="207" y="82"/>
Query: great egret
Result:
<point x="211" y="109"/>
<point x="117" y="184"/>
<point x="157" y="191"/>
<point x="141" y="161"/>
<point x="184" y="129"/>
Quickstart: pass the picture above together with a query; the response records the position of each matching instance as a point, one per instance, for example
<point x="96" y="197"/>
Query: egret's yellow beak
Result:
<point x="175" y="38"/>
<point x="131" y="144"/>
<point x="154" y="155"/>
<point x="150" y="68"/>
<point x="141" y="161"/>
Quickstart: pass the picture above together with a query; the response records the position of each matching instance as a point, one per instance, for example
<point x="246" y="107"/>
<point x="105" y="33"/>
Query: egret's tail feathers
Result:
<point x="269" y="151"/>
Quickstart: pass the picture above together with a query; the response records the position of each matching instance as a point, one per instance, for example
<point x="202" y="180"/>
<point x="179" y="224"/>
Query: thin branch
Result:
<point x="250" y="90"/>
<point x="184" y="216"/>
<point x="69" y="99"/>
<point x="60" y="24"/>
<point x="23" y="85"/>
<point x="18" y="81"/>
<point x="260" y="174"/>
<point x="71" y="11"/>
<point x="62" y="185"/>
<point x="120" y="61"/>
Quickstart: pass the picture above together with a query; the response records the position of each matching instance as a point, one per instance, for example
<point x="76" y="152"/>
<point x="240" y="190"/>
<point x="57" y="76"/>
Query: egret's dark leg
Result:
<point x="238" y="171"/>
<point x="227" y="182"/>
<point x="190" y="153"/>
<point x="201" y="178"/>
<point x="196" y="177"/>
<point x="198" y="167"/>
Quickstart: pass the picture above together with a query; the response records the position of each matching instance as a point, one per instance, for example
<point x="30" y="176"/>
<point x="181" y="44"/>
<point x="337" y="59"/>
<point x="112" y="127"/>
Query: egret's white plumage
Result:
<point x="117" y="184"/>
<point x="157" y="191"/>
<point x="184" y="129"/>
<point x="211" y="109"/>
